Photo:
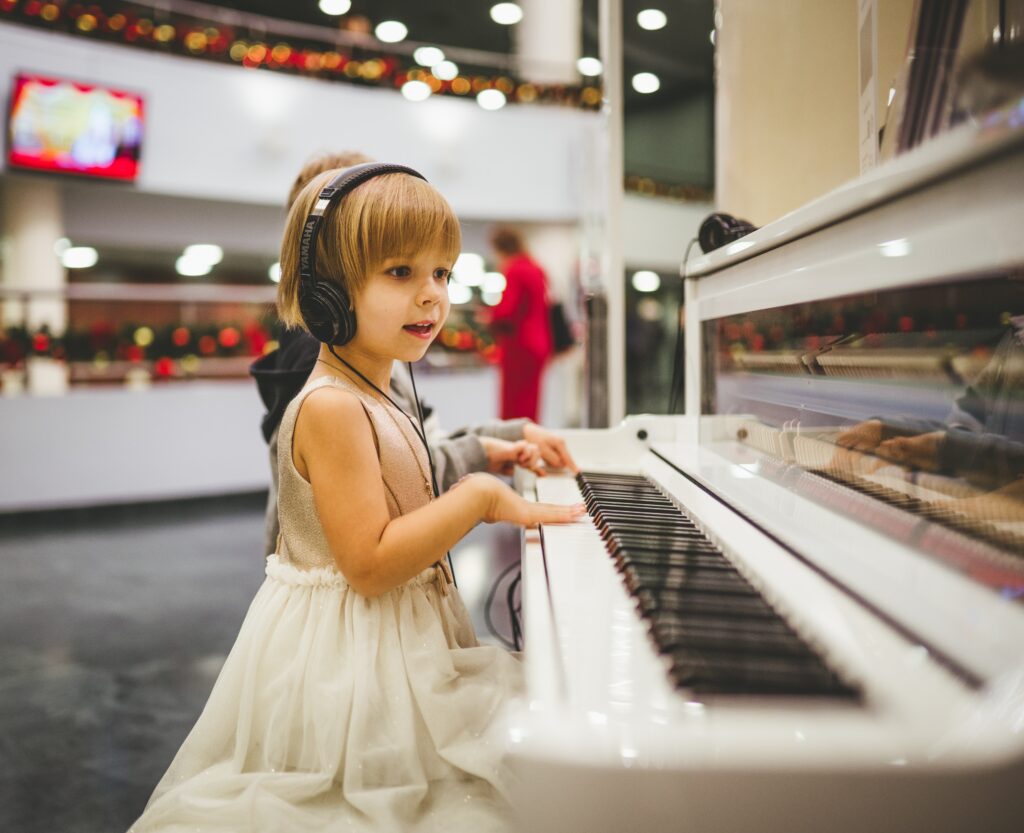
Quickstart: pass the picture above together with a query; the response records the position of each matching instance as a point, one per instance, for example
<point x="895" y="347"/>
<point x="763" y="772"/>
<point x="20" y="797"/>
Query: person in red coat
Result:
<point x="521" y="325"/>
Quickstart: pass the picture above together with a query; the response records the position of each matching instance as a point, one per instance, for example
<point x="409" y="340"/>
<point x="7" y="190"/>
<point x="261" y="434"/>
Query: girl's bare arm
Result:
<point x="373" y="552"/>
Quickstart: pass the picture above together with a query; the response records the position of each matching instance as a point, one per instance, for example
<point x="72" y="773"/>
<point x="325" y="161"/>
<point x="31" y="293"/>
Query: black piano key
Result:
<point x="740" y="605"/>
<point x="728" y="582"/>
<point x="693" y="560"/>
<point x="724" y="674"/>
<point x="672" y="630"/>
<point x="716" y="631"/>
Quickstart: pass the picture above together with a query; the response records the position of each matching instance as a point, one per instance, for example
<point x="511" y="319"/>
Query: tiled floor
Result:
<point x="114" y="626"/>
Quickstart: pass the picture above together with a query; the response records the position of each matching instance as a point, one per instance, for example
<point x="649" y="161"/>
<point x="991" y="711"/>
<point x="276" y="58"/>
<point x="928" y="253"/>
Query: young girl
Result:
<point x="356" y="696"/>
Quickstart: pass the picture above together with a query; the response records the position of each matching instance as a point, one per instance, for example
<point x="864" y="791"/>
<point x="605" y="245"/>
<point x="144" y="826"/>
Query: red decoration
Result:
<point x="180" y="336"/>
<point x="207" y="345"/>
<point x="229" y="337"/>
<point x="41" y="343"/>
<point x="164" y="367"/>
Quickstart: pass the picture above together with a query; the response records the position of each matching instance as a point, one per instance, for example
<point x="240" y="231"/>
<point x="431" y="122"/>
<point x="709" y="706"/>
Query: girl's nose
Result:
<point x="433" y="292"/>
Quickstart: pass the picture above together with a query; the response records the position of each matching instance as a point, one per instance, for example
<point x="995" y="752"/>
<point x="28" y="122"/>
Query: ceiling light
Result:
<point x="79" y="257"/>
<point x="61" y="245"/>
<point x="446" y="70"/>
<point x="646" y="281"/>
<point x="428" y="56"/>
<point x="204" y="253"/>
<point x="713" y="37"/>
<point x="646" y="82"/>
<point x="459" y="293"/>
<point x="274" y="272"/>
<point x="492" y="299"/>
<point x="491" y="99"/>
<point x="589" y="66"/>
<point x="652" y="19"/>
<point x="335" y="7"/>
<point x="506" y="13"/>
<point x="391" y="31"/>
<point x="494" y="282"/>
<point x="191" y="268"/>
<point x="469" y="269"/>
<point x="416" y="90"/>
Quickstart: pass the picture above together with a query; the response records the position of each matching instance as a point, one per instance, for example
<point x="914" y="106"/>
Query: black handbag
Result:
<point x="562" y="337"/>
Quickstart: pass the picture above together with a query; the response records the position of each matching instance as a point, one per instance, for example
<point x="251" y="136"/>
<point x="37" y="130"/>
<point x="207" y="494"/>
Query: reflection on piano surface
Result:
<point x="802" y="609"/>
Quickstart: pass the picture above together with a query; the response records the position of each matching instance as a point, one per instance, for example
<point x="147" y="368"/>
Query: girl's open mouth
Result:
<point x="422" y="330"/>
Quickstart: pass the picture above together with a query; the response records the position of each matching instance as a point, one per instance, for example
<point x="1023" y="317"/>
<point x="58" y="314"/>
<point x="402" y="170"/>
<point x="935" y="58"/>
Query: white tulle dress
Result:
<point x="337" y="712"/>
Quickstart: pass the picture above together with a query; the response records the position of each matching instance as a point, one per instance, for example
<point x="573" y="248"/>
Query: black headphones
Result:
<point x="719" y="229"/>
<point x="325" y="306"/>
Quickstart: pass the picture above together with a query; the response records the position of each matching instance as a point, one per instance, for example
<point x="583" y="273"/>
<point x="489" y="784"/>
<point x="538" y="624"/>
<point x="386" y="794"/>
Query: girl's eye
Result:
<point x="443" y="274"/>
<point x="400" y="271"/>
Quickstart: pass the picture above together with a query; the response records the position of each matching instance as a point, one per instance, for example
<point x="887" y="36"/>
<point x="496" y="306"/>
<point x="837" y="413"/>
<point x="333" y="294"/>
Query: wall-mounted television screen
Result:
<point x="70" y="127"/>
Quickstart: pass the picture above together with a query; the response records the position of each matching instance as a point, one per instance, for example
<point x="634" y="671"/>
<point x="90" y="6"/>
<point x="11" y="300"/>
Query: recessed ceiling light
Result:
<point x="491" y="99"/>
<point x="335" y="7"/>
<point x="652" y="19"/>
<point x="416" y="90"/>
<point x="189" y="267"/>
<point x="428" y="56"/>
<point x="646" y="82"/>
<point x="589" y="66"/>
<point x="494" y="282"/>
<point x="646" y="281"/>
<point x="274" y="272"/>
<point x="459" y="293"/>
<point x="446" y="70"/>
<point x="506" y="13"/>
<point x="204" y="253"/>
<point x="391" y="31"/>
<point x="79" y="257"/>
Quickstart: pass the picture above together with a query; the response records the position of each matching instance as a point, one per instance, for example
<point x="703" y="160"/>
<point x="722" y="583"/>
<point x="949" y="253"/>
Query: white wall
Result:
<point x="99" y="446"/>
<point x="225" y="133"/>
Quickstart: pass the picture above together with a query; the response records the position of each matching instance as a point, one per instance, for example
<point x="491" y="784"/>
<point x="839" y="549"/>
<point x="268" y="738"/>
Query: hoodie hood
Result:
<point x="281" y="374"/>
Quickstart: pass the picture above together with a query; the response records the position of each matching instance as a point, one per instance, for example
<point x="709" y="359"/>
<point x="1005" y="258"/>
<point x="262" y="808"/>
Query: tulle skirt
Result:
<point x="335" y="712"/>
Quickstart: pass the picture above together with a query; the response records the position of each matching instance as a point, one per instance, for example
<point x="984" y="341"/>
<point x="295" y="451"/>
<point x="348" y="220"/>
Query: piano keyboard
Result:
<point x="711" y="626"/>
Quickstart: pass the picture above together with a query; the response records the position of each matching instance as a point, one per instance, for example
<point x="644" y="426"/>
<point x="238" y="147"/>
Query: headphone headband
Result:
<point x="324" y="305"/>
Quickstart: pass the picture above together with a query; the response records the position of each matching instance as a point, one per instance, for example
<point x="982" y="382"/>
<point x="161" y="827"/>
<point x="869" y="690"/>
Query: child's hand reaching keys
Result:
<point x="503" y="504"/>
<point x="504" y="456"/>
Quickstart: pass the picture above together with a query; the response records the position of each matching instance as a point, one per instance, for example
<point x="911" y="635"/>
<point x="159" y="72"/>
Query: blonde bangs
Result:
<point x="395" y="215"/>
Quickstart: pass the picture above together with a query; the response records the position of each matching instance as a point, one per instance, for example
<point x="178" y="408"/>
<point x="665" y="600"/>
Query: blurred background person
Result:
<point x="521" y="324"/>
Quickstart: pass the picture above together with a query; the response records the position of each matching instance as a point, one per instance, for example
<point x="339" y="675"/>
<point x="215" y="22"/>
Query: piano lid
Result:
<point x="946" y="155"/>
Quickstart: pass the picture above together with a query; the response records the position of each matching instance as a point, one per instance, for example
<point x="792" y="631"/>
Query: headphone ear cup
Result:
<point x="327" y="315"/>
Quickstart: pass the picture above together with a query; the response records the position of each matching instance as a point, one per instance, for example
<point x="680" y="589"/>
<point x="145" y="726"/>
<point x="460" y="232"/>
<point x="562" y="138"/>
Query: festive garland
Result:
<point x="177" y="350"/>
<point x="170" y="32"/>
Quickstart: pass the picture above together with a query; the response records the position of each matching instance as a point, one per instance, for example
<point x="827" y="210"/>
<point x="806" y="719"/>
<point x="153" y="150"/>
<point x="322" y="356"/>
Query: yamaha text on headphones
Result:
<point x="325" y="305"/>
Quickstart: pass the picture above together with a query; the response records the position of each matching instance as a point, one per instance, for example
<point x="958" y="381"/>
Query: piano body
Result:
<point x="784" y="614"/>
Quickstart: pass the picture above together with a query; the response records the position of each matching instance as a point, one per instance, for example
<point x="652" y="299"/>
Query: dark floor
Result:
<point x="115" y="624"/>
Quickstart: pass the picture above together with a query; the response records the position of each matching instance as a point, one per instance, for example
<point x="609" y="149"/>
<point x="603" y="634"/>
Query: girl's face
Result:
<point x="402" y="306"/>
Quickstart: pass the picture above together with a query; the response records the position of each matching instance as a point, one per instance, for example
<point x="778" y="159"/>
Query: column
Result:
<point x="547" y="41"/>
<point x="31" y="222"/>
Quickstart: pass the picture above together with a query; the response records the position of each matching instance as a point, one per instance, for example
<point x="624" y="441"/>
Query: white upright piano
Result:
<point x="803" y="609"/>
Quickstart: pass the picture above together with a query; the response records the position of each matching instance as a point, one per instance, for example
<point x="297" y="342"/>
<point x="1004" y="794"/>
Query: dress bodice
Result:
<point x="404" y="467"/>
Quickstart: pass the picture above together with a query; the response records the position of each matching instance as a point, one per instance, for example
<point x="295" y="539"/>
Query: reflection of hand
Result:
<point x="920" y="452"/>
<point x="864" y="436"/>
<point x="503" y="457"/>
<point x="553" y="449"/>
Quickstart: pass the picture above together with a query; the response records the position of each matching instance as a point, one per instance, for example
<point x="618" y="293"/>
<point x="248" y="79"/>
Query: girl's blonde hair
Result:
<point x="393" y="215"/>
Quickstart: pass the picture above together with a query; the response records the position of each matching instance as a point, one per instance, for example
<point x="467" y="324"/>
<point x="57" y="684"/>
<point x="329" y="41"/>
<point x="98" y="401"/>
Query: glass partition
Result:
<point x="902" y="408"/>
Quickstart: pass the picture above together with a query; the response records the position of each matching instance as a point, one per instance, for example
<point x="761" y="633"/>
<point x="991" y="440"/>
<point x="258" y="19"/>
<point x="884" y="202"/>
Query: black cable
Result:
<point x="420" y="429"/>
<point x="513" y="612"/>
<point x="430" y="457"/>
<point x="677" y="361"/>
<point x="511" y="645"/>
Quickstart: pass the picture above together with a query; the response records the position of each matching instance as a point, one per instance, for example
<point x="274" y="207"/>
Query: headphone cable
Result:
<point x="419" y="429"/>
